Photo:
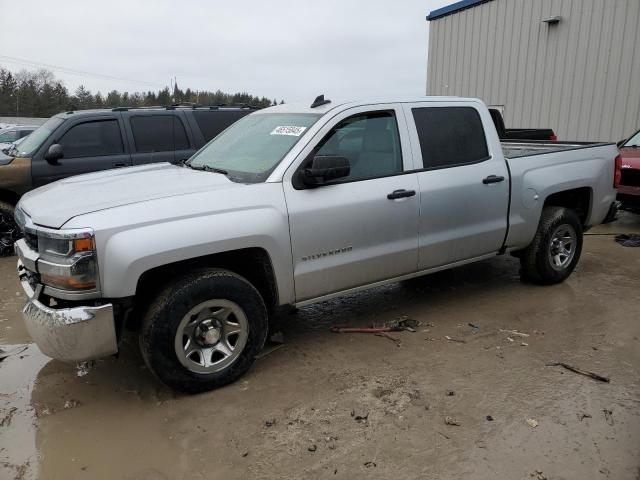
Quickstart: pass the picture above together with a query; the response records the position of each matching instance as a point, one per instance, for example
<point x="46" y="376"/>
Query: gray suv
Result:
<point x="77" y="142"/>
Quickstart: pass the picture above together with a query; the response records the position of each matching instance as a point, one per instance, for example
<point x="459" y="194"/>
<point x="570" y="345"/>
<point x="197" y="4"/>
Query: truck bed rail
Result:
<point x="515" y="149"/>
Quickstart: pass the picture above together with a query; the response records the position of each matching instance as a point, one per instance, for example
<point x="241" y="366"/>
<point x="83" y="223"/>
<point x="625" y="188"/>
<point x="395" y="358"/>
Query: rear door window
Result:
<point x="450" y="136"/>
<point x="158" y="133"/>
<point x="92" y="139"/>
<point x="212" y="122"/>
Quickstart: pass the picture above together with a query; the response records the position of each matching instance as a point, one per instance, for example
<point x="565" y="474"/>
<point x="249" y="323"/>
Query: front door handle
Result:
<point x="119" y="165"/>
<point x="492" y="179"/>
<point x="401" y="194"/>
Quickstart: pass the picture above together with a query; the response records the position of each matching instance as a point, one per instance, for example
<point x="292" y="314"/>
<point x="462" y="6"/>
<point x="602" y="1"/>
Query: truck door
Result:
<point x="362" y="228"/>
<point x="89" y="144"/>
<point x="157" y="137"/>
<point x="464" y="186"/>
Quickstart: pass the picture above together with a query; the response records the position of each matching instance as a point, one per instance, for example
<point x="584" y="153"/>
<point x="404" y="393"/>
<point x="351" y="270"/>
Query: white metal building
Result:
<point x="570" y="65"/>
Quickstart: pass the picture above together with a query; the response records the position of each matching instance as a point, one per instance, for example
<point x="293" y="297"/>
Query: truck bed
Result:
<point x="516" y="149"/>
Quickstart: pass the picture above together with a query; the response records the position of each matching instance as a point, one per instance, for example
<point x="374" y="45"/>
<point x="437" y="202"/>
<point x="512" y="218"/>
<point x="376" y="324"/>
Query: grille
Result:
<point x="630" y="177"/>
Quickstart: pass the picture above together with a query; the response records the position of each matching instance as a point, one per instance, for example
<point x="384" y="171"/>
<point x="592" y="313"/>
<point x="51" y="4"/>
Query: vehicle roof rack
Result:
<point x="319" y="101"/>
<point x="190" y="106"/>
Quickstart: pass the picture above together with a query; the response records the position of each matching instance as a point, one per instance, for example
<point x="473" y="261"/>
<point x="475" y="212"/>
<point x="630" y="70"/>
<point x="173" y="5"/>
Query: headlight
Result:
<point x="64" y="247"/>
<point x="68" y="259"/>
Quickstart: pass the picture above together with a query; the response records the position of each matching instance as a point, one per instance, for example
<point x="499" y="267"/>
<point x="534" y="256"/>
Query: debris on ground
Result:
<point x="514" y="332"/>
<point x="370" y="464"/>
<point x="524" y="344"/>
<point x="450" y="393"/>
<point x="451" y="421"/>
<point x="12" y="351"/>
<point x="312" y="448"/>
<point x="83" y="368"/>
<point x="489" y="418"/>
<point x="397" y="341"/>
<point x="452" y="339"/>
<point x="405" y="323"/>
<point x="331" y="442"/>
<point x="538" y="475"/>
<point x="608" y="416"/>
<point x="571" y="368"/>
<point x="582" y="416"/>
<point x="475" y="328"/>
<point x="532" y="422"/>
<point x="5" y="421"/>
<point x="360" y="417"/>
<point x="71" y="403"/>
<point x="270" y="423"/>
<point x="399" y="325"/>
<point x="628" y="239"/>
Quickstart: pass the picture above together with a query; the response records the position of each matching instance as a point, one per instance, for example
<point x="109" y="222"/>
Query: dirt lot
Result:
<point x="350" y="406"/>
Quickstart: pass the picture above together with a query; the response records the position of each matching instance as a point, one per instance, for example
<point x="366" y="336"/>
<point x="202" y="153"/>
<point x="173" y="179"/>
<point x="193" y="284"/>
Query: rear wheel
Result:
<point x="9" y="231"/>
<point x="204" y="331"/>
<point x="555" y="249"/>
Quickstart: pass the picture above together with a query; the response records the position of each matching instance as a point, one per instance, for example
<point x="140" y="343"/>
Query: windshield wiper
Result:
<point x="205" y="168"/>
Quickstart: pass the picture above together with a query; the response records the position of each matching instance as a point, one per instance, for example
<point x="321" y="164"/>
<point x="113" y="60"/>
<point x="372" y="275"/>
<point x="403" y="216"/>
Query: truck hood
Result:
<point x="55" y="204"/>
<point x="630" y="157"/>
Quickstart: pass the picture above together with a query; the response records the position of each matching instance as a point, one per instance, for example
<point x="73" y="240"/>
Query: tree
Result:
<point x="39" y="94"/>
<point x="83" y="98"/>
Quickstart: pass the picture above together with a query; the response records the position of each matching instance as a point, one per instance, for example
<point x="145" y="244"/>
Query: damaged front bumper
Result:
<point x="73" y="334"/>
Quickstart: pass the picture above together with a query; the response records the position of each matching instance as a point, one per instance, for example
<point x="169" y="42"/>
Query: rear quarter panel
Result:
<point x="535" y="177"/>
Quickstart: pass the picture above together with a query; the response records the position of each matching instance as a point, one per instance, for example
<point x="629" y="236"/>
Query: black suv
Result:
<point x="84" y="141"/>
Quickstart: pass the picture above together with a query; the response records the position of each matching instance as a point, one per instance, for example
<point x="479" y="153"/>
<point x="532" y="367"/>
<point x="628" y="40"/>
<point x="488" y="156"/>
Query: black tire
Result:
<point x="9" y="231"/>
<point x="536" y="260"/>
<point x="162" y="320"/>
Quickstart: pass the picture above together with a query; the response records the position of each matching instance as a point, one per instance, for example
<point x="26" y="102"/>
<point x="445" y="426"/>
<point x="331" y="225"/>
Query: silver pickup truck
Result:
<point x="292" y="205"/>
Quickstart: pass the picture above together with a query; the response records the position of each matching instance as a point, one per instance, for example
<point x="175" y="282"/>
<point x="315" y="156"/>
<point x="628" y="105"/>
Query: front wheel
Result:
<point x="204" y="331"/>
<point x="555" y="249"/>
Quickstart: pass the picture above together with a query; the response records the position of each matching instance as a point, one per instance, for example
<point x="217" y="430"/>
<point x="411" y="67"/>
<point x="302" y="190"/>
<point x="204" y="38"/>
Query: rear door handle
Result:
<point x="119" y="165"/>
<point x="401" y="194"/>
<point x="492" y="179"/>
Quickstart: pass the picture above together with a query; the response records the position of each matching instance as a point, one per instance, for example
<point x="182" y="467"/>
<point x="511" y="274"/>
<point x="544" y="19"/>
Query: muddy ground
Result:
<point x="329" y="405"/>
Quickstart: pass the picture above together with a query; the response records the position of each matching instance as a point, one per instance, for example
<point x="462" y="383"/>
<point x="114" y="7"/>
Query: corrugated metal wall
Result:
<point x="580" y="77"/>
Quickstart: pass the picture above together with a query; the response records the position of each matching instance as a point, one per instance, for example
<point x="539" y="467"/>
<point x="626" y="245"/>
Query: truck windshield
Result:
<point x="252" y="147"/>
<point x="633" y="141"/>
<point x="36" y="138"/>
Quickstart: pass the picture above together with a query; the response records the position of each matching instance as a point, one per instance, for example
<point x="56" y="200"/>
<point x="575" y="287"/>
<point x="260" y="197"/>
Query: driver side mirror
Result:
<point x="323" y="169"/>
<point x="54" y="154"/>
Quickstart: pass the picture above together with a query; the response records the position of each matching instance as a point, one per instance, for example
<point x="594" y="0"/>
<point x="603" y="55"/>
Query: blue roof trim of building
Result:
<point x="453" y="8"/>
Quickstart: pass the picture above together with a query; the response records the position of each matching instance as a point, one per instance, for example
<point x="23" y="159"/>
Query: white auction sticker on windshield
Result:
<point x="288" y="130"/>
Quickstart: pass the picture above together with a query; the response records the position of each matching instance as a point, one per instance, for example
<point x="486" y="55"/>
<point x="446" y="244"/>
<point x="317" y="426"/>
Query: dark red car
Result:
<point x="629" y="185"/>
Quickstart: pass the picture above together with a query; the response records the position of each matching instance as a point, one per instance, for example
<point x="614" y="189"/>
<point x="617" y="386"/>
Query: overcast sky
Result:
<point x="278" y="49"/>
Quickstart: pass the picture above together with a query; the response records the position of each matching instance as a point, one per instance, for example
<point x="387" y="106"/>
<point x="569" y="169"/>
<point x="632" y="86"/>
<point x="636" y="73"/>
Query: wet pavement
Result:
<point x="331" y="405"/>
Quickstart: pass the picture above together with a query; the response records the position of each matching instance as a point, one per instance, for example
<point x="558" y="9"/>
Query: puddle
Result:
<point x="18" y="453"/>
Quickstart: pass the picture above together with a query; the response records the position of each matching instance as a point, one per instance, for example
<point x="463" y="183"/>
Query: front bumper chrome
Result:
<point x="69" y="334"/>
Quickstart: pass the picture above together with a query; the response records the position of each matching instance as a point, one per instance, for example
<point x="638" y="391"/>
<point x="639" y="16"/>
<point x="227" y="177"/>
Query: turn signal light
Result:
<point x="617" y="173"/>
<point x="83" y="244"/>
